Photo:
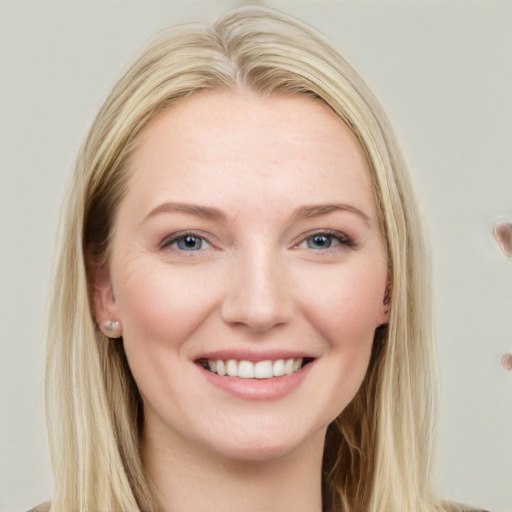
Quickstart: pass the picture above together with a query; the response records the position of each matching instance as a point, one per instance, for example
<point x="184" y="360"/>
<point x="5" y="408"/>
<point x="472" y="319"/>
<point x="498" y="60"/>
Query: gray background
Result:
<point x="444" y="72"/>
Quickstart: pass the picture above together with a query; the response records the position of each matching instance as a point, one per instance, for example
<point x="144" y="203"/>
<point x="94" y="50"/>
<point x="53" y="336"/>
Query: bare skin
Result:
<point x="207" y="482"/>
<point x="249" y="234"/>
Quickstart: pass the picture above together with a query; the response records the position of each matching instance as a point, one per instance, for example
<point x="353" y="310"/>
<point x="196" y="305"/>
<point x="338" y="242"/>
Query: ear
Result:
<point x="386" y="306"/>
<point x="104" y="302"/>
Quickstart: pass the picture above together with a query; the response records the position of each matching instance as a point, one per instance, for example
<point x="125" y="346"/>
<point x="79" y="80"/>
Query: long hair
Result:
<point x="378" y="452"/>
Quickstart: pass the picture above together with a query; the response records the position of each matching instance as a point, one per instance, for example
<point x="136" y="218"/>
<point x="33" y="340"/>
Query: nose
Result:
<point x="259" y="294"/>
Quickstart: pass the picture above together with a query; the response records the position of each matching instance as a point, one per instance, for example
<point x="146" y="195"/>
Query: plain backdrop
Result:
<point x="444" y="72"/>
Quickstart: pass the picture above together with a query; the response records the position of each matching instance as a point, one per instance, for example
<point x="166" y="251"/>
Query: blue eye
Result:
<point x="189" y="242"/>
<point x="325" y="241"/>
<point x="319" y="242"/>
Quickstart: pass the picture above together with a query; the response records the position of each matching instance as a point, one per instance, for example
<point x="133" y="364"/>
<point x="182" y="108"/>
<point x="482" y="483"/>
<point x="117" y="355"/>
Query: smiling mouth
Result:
<point x="243" y="369"/>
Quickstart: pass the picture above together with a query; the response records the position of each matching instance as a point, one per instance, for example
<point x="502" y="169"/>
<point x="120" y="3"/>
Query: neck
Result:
<point x="188" y="477"/>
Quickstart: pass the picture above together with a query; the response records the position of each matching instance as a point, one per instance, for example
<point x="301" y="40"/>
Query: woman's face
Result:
<point x="247" y="243"/>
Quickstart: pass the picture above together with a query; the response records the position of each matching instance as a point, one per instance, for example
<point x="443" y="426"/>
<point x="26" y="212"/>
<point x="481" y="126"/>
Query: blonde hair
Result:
<point x="378" y="453"/>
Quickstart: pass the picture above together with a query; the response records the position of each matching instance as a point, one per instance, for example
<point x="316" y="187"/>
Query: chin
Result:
<point x="255" y="452"/>
<point x="267" y="444"/>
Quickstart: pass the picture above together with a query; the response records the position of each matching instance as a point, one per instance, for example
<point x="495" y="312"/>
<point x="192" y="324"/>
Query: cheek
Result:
<point x="345" y="309"/>
<point x="160" y="308"/>
<point x="346" y="304"/>
<point x="159" y="303"/>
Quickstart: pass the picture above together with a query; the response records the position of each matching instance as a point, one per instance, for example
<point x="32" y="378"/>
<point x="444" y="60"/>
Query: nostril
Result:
<point x="257" y="315"/>
<point x="258" y="296"/>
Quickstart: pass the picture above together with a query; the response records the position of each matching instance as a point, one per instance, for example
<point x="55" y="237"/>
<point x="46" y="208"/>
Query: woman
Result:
<point x="241" y="311"/>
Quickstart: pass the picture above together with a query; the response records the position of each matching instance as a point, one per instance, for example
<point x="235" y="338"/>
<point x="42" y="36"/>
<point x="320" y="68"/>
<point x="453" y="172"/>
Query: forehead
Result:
<point x="240" y="143"/>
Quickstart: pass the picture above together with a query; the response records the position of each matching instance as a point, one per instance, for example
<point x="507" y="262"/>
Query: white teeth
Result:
<point x="259" y="370"/>
<point x="278" y="368"/>
<point x="246" y="370"/>
<point x="221" y="368"/>
<point x="288" y="367"/>
<point x="232" y="368"/>
<point x="263" y="370"/>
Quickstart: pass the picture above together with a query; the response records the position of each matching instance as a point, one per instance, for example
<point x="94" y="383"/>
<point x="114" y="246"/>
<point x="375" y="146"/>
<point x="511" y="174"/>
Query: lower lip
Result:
<point x="258" y="389"/>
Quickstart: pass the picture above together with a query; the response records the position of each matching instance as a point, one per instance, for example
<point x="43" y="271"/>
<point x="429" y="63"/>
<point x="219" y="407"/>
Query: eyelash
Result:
<point x="176" y="237"/>
<point x="341" y="238"/>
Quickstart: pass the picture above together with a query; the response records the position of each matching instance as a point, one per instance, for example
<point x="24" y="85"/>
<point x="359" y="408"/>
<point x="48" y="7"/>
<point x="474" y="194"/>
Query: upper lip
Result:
<point x="254" y="354"/>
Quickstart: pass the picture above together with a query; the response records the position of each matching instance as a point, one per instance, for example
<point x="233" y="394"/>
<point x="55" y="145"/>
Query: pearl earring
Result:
<point x="112" y="329"/>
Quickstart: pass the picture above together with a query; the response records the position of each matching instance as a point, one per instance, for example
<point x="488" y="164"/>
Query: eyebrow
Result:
<point x="308" y="212"/>
<point x="302" y="213"/>
<point x="205" y="212"/>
